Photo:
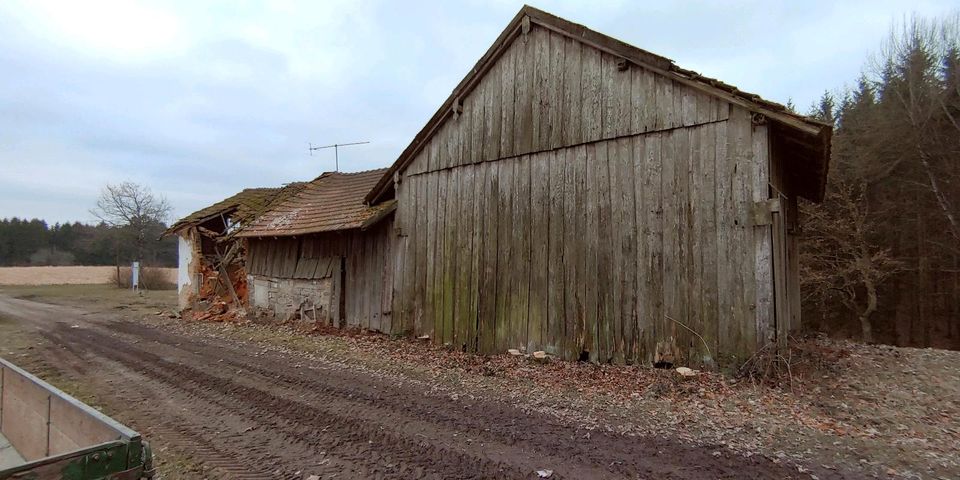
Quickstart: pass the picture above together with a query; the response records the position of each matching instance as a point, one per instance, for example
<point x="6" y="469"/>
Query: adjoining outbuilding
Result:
<point x="211" y="259"/>
<point x="323" y="255"/>
<point x="582" y="196"/>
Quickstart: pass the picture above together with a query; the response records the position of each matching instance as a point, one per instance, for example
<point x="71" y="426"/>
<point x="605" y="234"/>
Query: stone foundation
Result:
<point x="284" y="297"/>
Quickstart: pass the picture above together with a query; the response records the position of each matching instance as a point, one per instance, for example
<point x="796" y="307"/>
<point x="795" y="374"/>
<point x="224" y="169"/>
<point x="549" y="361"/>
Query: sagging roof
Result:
<point x="808" y="139"/>
<point x="240" y="208"/>
<point x="332" y="202"/>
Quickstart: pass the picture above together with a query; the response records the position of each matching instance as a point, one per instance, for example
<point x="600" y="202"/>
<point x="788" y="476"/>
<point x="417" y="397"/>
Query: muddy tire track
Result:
<point x="246" y="412"/>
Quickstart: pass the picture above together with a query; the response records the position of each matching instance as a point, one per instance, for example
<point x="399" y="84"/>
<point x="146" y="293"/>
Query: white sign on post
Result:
<point x="135" y="273"/>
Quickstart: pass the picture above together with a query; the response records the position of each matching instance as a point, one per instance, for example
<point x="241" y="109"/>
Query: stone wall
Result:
<point x="284" y="297"/>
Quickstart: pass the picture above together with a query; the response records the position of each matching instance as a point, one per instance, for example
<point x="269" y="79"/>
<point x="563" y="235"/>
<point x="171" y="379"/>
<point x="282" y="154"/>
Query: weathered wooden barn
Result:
<point x="211" y="261"/>
<point x="323" y="255"/>
<point x="578" y="195"/>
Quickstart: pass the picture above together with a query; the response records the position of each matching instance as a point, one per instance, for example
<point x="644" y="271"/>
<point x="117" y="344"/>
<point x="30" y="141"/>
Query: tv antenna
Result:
<point x="336" y="150"/>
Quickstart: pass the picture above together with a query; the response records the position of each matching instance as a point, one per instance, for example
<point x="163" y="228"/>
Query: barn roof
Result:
<point x="332" y="202"/>
<point x="241" y="208"/>
<point x="807" y="140"/>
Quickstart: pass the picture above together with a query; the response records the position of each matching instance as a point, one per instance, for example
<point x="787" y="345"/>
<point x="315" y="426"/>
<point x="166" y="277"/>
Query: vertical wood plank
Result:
<point x="766" y="316"/>
<point x="654" y="199"/>
<point x="591" y="257"/>
<point x="643" y="94"/>
<point x="434" y="224"/>
<point x="506" y="253"/>
<point x="572" y="93"/>
<point x="685" y="311"/>
<point x="574" y="237"/>
<point x="462" y="235"/>
<point x="695" y="211"/>
<point x="640" y="178"/>
<point x="479" y="126"/>
<point x="450" y="256"/>
<point x="440" y="262"/>
<point x="727" y="331"/>
<point x="541" y="93"/>
<point x="629" y="239"/>
<point x="556" y="261"/>
<point x="672" y="246"/>
<point x="507" y="85"/>
<point x="606" y="316"/>
<point x="468" y="130"/>
<point x="416" y="166"/>
<point x="442" y="140"/>
<point x="688" y="99"/>
<point x="459" y="135"/>
<point x="591" y="95"/>
<point x="493" y="111"/>
<point x="614" y="246"/>
<point x="477" y="228"/>
<point x="706" y="108"/>
<point x="522" y="231"/>
<point x="616" y="97"/>
<point x="555" y="87"/>
<point x="538" y="321"/>
<point x="421" y="252"/>
<point x="386" y="261"/>
<point x="488" y="294"/>
<point x="741" y="124"/>
<point x="665" y="108"/>
<point x="523" y="94"/>
<point x="707" y="222"/>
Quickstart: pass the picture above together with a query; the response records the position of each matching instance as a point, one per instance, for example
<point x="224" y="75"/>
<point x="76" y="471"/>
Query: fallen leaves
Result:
<point x="843" y="401"/>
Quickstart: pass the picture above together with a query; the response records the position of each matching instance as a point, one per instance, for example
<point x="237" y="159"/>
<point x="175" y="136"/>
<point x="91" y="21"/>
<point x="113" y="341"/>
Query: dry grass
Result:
<point x="98" y="298"/>
<point x="151" y="278"/>
<point x="76" y="275"/>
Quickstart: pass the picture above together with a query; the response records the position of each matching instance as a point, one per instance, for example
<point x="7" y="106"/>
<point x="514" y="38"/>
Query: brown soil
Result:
<point x="244" y="411"/>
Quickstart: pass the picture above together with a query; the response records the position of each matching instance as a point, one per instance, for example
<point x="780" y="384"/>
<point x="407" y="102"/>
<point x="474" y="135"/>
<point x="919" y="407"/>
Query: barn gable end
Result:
<point x="548" y="91"/>
<point x="583" y="197"/>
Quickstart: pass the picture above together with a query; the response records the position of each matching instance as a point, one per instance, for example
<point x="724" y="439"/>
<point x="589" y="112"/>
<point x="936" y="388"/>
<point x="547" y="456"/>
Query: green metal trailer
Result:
<point x="46" y="434"/>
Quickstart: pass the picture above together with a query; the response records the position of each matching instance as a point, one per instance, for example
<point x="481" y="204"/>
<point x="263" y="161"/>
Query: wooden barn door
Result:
<point x="781" y="271"/>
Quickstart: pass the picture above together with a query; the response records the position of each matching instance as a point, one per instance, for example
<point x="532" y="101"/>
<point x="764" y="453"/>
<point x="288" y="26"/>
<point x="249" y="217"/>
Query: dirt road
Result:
<point x="247" y="412"/>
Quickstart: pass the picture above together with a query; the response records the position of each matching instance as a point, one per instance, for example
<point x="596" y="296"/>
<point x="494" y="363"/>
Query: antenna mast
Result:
<point x="336" y="150"/>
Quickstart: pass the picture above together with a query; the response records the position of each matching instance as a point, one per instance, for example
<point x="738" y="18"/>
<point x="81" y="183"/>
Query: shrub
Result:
<point x="151" y="278"/>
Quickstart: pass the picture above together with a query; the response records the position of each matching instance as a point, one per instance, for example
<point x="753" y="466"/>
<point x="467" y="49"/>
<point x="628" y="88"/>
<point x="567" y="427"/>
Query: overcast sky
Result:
<point x="201" y="99"/>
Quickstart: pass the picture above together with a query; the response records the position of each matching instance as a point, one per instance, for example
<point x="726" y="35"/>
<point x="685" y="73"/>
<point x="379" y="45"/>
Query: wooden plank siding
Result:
<point x="369" y="259"/>
<point x="606" y="249"/>
<point x="595" y="210"/>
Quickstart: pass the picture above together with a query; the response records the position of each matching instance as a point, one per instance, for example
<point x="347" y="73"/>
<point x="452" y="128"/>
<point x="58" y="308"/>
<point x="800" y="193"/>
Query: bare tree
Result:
<point x="841" y="259"/>
<point x="132" y="208"/>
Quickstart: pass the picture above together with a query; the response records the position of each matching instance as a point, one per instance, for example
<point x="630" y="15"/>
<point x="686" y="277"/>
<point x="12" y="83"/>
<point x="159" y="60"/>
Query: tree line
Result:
<point x="880" y="257"/>
<point x="131" y="218"/>
<point x="33" y="242"/>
